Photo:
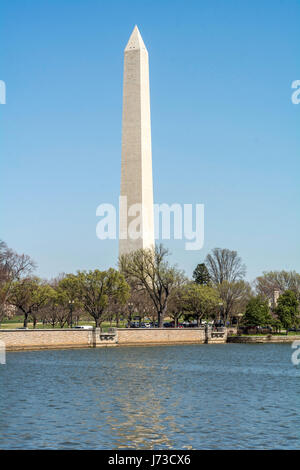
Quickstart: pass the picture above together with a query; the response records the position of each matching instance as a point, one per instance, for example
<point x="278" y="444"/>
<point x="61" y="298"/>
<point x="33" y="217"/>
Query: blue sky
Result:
<point x="224" y="130"/>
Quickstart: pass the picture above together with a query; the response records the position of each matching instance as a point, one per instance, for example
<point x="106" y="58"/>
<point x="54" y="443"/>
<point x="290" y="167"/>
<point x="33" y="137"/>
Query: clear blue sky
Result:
<point x="224" y="130"/>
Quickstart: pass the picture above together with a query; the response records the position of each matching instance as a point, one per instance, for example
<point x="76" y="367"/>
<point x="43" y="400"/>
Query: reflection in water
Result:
<point x="143" y="422"/>
<point x="176" y="397"/>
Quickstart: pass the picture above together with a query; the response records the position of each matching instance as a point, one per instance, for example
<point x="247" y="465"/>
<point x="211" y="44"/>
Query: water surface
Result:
<point x="229" y="396"/>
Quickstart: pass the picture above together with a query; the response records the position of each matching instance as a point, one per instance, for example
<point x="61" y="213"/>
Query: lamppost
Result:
<point x="220" y="312"/>
<point x="71" y="304"/>
<point x="239" y="316"/>
<point x="130" y="308"/>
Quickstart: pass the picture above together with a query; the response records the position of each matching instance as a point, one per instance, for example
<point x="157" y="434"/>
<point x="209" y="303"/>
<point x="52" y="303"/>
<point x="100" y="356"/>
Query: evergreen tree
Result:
<point x="201" y="274"/>
<point x="287" y="309"/>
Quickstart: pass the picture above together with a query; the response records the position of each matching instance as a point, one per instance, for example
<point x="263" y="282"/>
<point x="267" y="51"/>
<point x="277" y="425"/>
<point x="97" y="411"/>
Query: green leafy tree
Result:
<point x="29" y="295"/>
<point x="201" y="274"/>
<point x="68" y="299"/>
<point x="68" y="288"/>
<point x="287" y="309"/>
<point x="257" y="312"/>
<point x="176" y="304"/>
<point x="97" y="288"/>
<point x="200" y="301"/>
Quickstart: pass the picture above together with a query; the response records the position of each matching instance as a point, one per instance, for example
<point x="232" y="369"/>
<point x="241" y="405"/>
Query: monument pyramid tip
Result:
<point x="135" y="41"/>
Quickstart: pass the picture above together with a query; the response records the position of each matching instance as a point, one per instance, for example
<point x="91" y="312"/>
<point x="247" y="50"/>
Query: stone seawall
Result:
<point x="66" y="338"/>
<point x="16" y="340"/>
<point x="46" y="339"/>
<point x="263" y="339"/>
<point x="136" y="336"/>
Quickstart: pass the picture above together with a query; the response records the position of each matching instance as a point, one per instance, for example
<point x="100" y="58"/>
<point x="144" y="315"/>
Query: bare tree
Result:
<point x="150" y="271"/>
<point x="277" y="281"/>
<point x="224" y="265"/>
<point x="54" y="313"/>
<point x="234" y="298"/>
<point x="139" y="303"/>
<point x="12" y="268"/>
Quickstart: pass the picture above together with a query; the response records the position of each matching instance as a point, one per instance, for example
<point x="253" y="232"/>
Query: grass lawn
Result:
<point x="290" y="333"/>
<point x="18" y="323"/>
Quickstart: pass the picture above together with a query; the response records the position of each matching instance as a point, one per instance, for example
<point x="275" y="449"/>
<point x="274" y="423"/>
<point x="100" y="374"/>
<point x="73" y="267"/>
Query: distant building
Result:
<point x="274" y="299"/>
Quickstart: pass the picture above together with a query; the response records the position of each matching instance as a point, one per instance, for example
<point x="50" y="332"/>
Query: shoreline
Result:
<point x="34" y="340"/>
<point x="263" y="339"/>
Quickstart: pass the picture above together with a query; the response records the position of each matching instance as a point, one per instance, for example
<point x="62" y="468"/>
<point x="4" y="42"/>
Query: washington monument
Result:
<point x="136" y="207"/>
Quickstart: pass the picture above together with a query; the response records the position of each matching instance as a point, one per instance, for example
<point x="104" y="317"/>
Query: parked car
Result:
<point x="264" y="329"/>
<point x="179" y="325"/>
<point x="83" y="327"/>
<point x="219" y="325"/>
<point x="253" y="330"/>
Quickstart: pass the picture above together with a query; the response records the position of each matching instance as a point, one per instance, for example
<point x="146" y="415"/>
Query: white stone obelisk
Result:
<point x="136" y="201"/>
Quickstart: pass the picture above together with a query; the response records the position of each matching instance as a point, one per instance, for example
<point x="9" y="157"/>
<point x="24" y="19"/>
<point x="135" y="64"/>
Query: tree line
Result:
<point x="148" y="286"/>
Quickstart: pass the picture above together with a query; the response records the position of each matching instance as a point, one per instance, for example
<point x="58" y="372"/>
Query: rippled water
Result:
<point x="182" y="397"/>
